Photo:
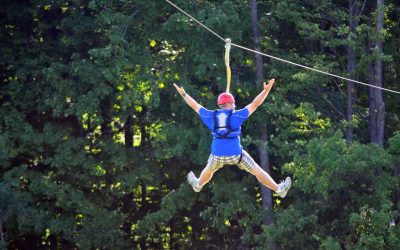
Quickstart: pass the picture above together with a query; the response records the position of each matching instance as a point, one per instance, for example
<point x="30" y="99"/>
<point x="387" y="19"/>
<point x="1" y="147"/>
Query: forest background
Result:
<point x="95" y="143"/>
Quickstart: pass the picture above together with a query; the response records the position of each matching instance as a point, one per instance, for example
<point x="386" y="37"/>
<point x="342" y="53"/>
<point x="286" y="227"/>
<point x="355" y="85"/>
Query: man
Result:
<point x="224" y="125"/>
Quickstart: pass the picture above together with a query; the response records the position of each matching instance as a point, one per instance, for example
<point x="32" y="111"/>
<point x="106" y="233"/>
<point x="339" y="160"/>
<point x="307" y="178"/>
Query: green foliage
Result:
<point x="347" y="189"/>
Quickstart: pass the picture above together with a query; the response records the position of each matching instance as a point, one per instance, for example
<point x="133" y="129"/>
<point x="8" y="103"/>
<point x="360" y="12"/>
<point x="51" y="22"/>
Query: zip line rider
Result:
<point x="224" y="124"/>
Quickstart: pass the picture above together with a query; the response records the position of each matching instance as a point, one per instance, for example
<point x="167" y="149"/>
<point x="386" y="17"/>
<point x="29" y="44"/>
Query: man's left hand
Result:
<point x="269" y="85"/>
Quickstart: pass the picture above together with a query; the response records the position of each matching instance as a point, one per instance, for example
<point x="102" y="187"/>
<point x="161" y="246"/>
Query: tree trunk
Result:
<point x="380" y="119"/>
<point x="143" y="210"/>
<point x="351" y="65"/>
<point x="128" y="207"/>
<point x="377" y="105"/>
<point x="2" y="234"/>
<point x="256" y="40"/>
<point x="267" y="202"/>
<point x="371" y="109"/>
<point x="396" y="195"/>
<point x="128" y="132"/>
<point x="105" y="111"/>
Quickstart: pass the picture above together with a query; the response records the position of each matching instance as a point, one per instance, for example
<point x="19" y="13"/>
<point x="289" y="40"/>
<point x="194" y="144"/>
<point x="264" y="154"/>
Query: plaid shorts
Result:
<point x="246" y="162"/>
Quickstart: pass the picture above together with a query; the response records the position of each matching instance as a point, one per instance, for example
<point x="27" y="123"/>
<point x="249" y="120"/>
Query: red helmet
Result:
<point x="225" y="98"/>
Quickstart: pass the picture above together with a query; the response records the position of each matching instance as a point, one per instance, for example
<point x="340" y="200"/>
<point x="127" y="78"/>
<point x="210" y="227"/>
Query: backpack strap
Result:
<point x="229" y="121"/>
<point x="215" y="121"/>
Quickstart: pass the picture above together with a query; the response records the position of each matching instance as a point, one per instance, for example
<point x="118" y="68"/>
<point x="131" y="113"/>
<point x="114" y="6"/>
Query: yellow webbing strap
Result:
<point x="228" y="69"/>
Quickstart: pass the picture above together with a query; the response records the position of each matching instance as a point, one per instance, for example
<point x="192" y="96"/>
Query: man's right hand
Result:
<point x="180" y="90"/>
<point x="189" y="100"/>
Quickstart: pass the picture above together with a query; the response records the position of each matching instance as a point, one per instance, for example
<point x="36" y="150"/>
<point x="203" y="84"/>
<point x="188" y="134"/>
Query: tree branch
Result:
<point x="124" y="29"/>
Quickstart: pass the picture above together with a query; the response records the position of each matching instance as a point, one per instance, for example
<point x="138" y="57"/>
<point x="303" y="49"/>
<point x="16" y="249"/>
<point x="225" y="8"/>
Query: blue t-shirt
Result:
<point x="225" y="147"/>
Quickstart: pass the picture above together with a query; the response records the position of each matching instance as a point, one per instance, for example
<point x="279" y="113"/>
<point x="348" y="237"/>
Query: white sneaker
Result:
<point x="284" y="187"/>
<point x="193" y="181"/>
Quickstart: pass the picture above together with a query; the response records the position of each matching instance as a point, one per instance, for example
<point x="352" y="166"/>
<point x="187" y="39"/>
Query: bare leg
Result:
<point x="205" y="176"/>
<point x="264" y="178"/>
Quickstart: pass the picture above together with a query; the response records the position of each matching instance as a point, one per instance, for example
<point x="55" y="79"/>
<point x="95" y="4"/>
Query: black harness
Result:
<point x="227" y="132"/>
<point x="228" y="127"/>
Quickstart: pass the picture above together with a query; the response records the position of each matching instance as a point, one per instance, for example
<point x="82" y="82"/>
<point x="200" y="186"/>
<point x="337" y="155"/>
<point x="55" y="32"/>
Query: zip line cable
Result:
<point x="316" y="70"/>
<point x="277" y="58"/>
<point x="194" y="19"/>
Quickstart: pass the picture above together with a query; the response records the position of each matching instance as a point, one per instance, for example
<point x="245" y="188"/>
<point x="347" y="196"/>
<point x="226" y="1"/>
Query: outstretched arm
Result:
<point x="189" y="100"/>
<point x="261" y="97"/>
